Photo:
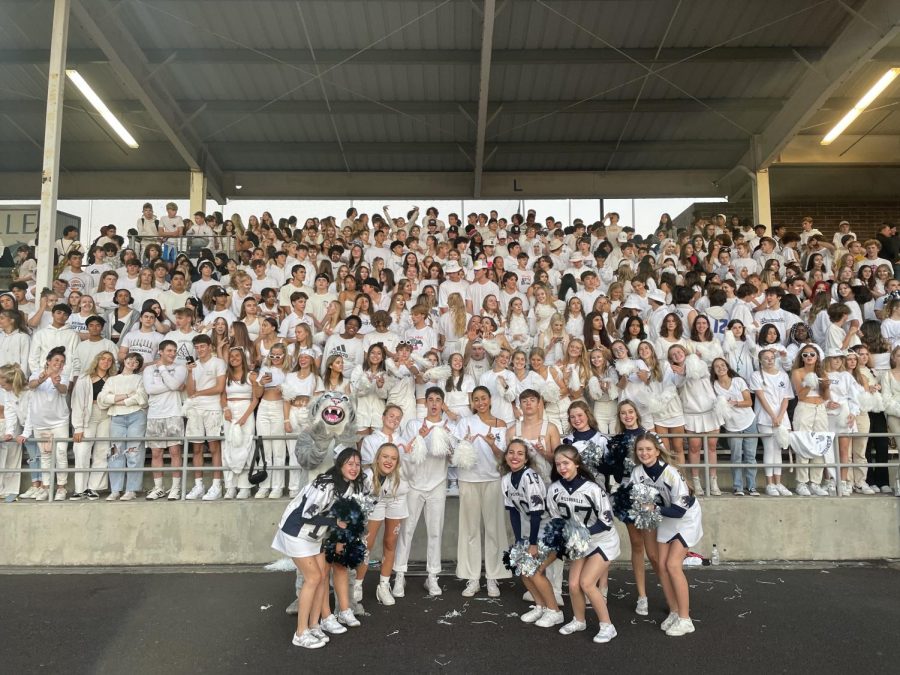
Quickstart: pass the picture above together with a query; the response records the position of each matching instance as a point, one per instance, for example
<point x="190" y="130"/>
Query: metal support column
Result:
<point x="762" y="204"/>
<point x="52" y="140"/>
<point x="198" y="192"/>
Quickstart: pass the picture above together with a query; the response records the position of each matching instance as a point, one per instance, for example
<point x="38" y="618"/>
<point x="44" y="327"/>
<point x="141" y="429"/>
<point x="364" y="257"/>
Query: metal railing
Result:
<point x="189" y="244"/>
<point x="706" y="466"/>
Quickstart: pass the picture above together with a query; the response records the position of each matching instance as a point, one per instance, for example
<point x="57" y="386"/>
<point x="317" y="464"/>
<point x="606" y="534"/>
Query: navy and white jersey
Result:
<point x="581" y="440"/>
<point x="583" y="500"/>
<point x="529" y="496"/>
<point x="308" y="515"/>
<point x="680" y="510"/>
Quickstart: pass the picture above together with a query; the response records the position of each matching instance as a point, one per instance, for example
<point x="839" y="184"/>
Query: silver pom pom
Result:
<point x="578" y="539"/>
<point x="366" y="502"/>
<point x="464" y="455"/>
<point x="525" y="564"/>
<point x="644" y="509"/>
<point x="592" y="456"/>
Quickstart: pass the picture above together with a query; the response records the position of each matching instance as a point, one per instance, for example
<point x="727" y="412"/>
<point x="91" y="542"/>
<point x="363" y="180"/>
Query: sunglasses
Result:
<point x="807" y="355"/>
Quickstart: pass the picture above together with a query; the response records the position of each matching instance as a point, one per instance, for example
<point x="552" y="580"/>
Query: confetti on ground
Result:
<point x="446" y="623"/>
<point x="491" y="613"/>
<point x="394" y="633"/>
<point x="263" y="608"/>
<point x="769" y="583"/>
<point x="741" y="616"/>
<point x="452" y="614"/>
<point x="441" y="663"/>
<point x="486" y="621"/>
<point x="511" y="615"/>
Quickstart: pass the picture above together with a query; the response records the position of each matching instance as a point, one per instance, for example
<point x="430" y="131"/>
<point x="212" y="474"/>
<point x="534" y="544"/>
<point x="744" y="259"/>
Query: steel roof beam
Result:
<point x="484" y="85"/>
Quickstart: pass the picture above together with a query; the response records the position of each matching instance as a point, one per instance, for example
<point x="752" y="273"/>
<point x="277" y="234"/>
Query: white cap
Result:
<point x="489" y="242"/>
<point x="501" y="234"/>
<point x="555" y="245"/>
<point x="622" y="238"/>
<point x="631" y="302"/>
<point x="452" y="267"/>
<point x="657" y="296"/>
<point x="576" y="257"/>
<point x="479" y="265"/>
<point x="835" y="352"/>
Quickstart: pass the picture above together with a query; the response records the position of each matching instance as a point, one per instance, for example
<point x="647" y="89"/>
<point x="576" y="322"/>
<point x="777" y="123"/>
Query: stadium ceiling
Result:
<point x="456" y="98"/>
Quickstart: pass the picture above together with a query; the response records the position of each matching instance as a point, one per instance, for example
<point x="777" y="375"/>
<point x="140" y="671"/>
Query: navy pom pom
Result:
<point x="621" y="503"/>
<point x="552" y="536"/>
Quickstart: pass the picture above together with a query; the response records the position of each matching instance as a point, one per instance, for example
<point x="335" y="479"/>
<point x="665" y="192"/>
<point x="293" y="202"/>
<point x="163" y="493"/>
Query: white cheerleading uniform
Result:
<point x="680" y="510"/>
<point x="589" y="503"/>
<point x="305" y="523"/>
<point x="525" y="497"/>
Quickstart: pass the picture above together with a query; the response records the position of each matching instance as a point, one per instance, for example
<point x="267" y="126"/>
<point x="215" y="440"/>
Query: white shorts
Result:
<point x="393" y="508"/>
<point x="168" y="427"/>
<point x="295" y="547"/>
<point x="204" y="423"/>
<point x="701" y="423"/>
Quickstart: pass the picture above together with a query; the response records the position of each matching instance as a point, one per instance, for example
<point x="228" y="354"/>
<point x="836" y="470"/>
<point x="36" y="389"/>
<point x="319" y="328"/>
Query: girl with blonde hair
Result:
<point x="90" y="420"/>
<point x="13" y="404"/>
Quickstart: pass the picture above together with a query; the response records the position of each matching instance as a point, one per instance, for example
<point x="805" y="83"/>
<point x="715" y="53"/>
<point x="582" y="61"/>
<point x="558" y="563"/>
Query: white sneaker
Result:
<point x="383" y="594"/>
<point x="803" y="490"/>
<point x="642" y="607"/>
<point x="276" y="494"/>
<point x="196" y="492"/>
<point x="846" y="488"/>
<point x="60" y="495"/>
<point x="698" y="487"/>
<point x="550" y="618"/>
<point x="113" y="496"/>
<point x="154" y="494"/>
<point x="783" y="491"/>
<point x="574" y="626"/>
<point x="863" y="488"/>
<point x="230" y="493"/>
<point x="885" y="490"/>
<point x="307" y="641"/>
<point x="129" y="496"/>
<point x="293" y="493"/>
<point x="29" y="493"/>
<point x="772" y="490"/>
<point x="830" y="488"/>
<point x="262" y="493"/>
<point x="41" y="494"/>
<point x="472" y="587"/>
<point x="399" y="589"/>
<point x="346" y="617"/>
<point x="533" y="614"/>
<point x="214" y="493"/>
<point x="319" y="633"/>
<point x="452" y="488"/>
<point x="432" y="586"/>
<point x="668" y="621"/>
<point x="680" y="627"/>
<point x="330" y="624"/>
<point x="357" y="590"/>
<point x="606" y="633"/>
<point x="174" y="493"/>
<point x="817" y="490"/>
<point x="493" y="589"/>
<point x="243" y="493"/>
<point x="714" y="491"/>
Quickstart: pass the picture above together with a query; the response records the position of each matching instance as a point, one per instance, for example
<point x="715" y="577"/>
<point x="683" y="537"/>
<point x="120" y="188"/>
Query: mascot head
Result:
<point x="335" y="411"/>
<point x="332" y="424"/>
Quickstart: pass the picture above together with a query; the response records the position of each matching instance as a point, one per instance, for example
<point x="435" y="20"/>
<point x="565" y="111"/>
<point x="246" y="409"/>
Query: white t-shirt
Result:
<point x="478" y="292"/>
<point x="145" y="344"/>
<point x="775" y="388"/>
<point x="485" y="468"/>
<point x="205" y="376"/>
<point x="738" y="419"/>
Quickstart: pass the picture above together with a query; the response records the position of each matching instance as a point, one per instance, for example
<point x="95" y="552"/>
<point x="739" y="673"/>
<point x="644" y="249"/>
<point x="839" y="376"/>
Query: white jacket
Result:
<point x="132" y="385"/>
<point x="46" y="339"/>
<point x="82" y="403"/>
<point x="15" y="347"/>
<point x="15" y="409"/>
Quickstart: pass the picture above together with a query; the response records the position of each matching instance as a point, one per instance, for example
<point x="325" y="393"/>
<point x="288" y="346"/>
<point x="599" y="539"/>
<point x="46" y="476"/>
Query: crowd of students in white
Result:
<point x="718" y="327"/>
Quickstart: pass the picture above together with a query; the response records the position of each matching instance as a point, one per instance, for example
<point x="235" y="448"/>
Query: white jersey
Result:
<point x="525" y="493"/>
<point x="680" y="509"/>
<point x="587" y="502"/>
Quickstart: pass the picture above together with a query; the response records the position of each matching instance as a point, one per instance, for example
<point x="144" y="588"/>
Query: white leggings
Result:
<point x="92" y="454"/>
<point x="771" y="450"/>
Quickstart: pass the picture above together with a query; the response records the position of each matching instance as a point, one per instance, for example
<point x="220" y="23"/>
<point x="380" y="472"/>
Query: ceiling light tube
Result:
<point x="861" y="105"/>
<point x="101" y="108"/>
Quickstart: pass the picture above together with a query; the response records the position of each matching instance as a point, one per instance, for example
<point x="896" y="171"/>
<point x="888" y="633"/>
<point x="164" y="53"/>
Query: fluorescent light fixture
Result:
<point x="861" y="105"/>
<point x="238" y="187"/>
<point x="101" y="108"/>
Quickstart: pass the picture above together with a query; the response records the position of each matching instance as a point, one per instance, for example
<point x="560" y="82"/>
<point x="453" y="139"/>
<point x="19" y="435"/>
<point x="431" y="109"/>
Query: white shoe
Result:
<point x="493" y="589"/>
<point x="383" y="594"/>
<point x="42" y="494"/>
<point x="533" y="614"/>
<point x="399" y="589"/>
<point x="319" y="633"/>
<point x="357" y="590"/>
<point x="262" y="493"/>
<point x="472" y="587"/>
<point x="154" y="494"/>
<point x="113" y="496"/>
<point x="60" y="495"/>
<point x="680" y="627"/>
<point x="432" y="586"/>
<point x="846" y="488"/>
<point x="29" y="493"/>
<point x="293" y="493"/>
<point x="772" y="490"/>
<point x="885" y="490"/>
<point x="574" y="626"/>
<point x="307" y="641"/>
<point x="129" y="496"/>
<point x="550" y="618"/>
<point x="606" y="633"/>
<point x="196" y="492"/>
<point x="230" y="493"/>
<point x="783" y="491"/>
<point x="698" y="487"/>
<point x="452" y="488"/>
<point x="346" y="617"/>
<point x="642" y="608"/>
<point x="714" y="491"/>
<point x="668" y="621"/>
<point x="243" y="493"/>
<point x="174" y="493"/>
<point x="330" y="624"/>
<point x="830" y="488"/>
<point x="214" y="493"/>
<point x="863" y="488"/>
<point x="276" y="493"/>
<point x="803" y="490"/>
<point x="817" y="490"/>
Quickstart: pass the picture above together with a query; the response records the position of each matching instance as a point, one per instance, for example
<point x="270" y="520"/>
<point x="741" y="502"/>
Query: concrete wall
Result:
<point x="190" y="533"/>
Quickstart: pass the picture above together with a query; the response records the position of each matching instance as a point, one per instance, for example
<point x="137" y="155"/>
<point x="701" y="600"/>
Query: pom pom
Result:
<point x="592" y="456"/>
<point x="574" y="379"/>
<point x="870" y="402"/>
<point x="520" y="562"/>
<point x="578" y="539"/>
<point x="722" y="408"/>
<point x="892" y="407"/>
<point x="351" y="556"/>
<point x="644" y="509"/>
<point x="782" y="437"/>
<point x="492" y="347"/>
<point x="877" y="402"/>
<point x="694" y="368"/>
<point x="625" y="367"/>
<point x="551" y="393"/>
<point x="464" y="455"/>
<point x="437" y="373"/>
<point x="419" y="450"/>
<point x="594" y="389"/>
<point x="708" y="351"/>
<point x="506" y="560"/>
<point x="658" y="401"/>
<point x="421" y="362"/>
<point x="440" y="441"/>
<point x="621" y="503"/>
<point x="366" y="502"/>
<point x="552" y="538"/>
<point x="350" y="511"/>
<point x="810" y="380"/>
<point x="729" y="342"/>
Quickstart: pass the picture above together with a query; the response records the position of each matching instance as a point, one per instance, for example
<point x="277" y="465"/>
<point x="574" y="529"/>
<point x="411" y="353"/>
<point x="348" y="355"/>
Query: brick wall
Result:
<point x="865" y="218"/>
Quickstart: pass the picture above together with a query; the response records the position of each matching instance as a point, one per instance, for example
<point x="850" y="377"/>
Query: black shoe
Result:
<point x="76" y="496"/>
<point x="91" y="495"/>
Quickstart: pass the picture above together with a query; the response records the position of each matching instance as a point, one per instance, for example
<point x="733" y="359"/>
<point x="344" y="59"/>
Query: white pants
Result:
<point x="858" y="448"/>
<point x="299" y="477"/>
<point x="433" y="503"/>
<point x="481" y="503"/>
<point x="92" y="454"/>
<point x="52" y="451"/>
<point x="10" y="458"/>
<point x="270" y="421"/>
<point x="809" y="417"/>
<point x="771" y="450"/>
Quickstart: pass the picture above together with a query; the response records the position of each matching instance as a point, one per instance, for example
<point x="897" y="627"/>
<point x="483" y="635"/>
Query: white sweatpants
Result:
<point x="771" y="450"/>
<point x="92" y="454"/>
<point x="809" y="417"/>
<point x="481" y="504"/>
<point x="270" y="421"/>
<point x="51" y="452"/>
<point x="858" y="448"/>
<point x="10" y="458"/>
<point x="433" y="503"/>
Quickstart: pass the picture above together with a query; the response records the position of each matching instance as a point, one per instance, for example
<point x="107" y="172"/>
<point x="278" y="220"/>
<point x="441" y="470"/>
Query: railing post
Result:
<point x="184" y="464"/>
<point x="837" y="466"/>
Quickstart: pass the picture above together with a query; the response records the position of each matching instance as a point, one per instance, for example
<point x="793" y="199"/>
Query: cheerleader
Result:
<point x="680" y="529"/>
<point x="602" y="391"/>
<point x="368" y="383"/>
<point x="691" y="376"/>
<point x="584" y="432"/>
<point x="525" y="496"/>
<point x="390" y="490"/>
<point x="304" y="525"/>
<point x="239" y="399"/>
<point x="572" y="494"/>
